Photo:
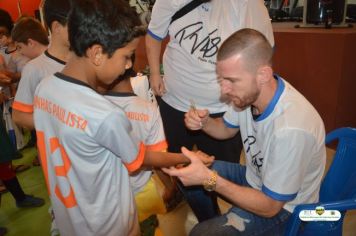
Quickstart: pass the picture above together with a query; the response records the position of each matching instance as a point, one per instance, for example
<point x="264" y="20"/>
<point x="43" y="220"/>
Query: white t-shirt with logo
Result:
<point x="190" y="56"/>
<point x="284" y="147"/>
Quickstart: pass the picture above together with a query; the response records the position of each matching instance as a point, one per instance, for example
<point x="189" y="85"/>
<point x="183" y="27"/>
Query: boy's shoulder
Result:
<point x="36" y="62"/>
<point x="133" y="101"/>
<point x="43" y="64"/>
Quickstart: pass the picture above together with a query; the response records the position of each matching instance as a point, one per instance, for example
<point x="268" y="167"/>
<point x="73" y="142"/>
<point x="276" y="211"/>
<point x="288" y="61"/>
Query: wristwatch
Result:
<point x="210" y="184"/>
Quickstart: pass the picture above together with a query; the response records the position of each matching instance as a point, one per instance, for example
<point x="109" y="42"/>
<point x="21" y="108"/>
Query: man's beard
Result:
<point x="245" y="101"/>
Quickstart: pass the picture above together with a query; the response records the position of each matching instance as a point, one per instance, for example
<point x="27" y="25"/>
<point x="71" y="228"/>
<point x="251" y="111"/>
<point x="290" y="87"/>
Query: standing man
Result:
<point x="189" y="65"/>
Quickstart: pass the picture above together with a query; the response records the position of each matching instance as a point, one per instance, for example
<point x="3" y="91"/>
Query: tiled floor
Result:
<point x="35" y="222"/>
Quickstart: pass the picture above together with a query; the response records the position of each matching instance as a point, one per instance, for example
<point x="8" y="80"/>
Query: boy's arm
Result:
<point x="23" y="103"/>
<point x="15" y="76"/>
<point x="23" y="119"/>
<point x="168" y="159"/>
<point x="5" y="80"/>
<point x="164" y="159"/>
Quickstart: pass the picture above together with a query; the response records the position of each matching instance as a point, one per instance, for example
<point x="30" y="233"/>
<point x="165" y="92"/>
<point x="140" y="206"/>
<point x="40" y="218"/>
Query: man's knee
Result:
<point x="225" y="225"/>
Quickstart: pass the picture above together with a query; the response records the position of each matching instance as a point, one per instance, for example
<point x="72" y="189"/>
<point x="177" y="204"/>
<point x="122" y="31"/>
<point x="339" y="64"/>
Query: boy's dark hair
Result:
<point x="56" y="10"/>
<point x="6" y="22"/>
<point x="29" y="28"/>
<point x="109" y="23"/>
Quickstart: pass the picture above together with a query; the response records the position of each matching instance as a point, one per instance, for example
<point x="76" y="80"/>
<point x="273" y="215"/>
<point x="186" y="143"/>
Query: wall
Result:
<point x="28" y="7"/>
<point x="320" y="63"/>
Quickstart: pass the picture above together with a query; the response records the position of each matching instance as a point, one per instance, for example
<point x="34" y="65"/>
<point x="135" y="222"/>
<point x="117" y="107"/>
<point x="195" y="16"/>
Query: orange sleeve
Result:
<point x="160" y="146"/>
<point x="137" y="163"/>
<point x="19" y="106"/>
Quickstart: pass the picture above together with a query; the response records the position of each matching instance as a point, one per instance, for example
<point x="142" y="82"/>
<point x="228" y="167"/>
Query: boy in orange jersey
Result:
<point x="50" y="61"/>
<point x="146" y="122"/>
<point x="86" y="143"/>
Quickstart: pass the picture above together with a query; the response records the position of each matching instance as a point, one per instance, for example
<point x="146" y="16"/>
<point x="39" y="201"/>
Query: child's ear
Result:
<point x="95" y="54"/>
<point x="30" y="42"/>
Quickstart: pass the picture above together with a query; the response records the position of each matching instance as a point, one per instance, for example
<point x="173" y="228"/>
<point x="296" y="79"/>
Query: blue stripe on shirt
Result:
<point x="277" y="196"/>
<point x="154" y="36"/>
<point x="227" y="124"/>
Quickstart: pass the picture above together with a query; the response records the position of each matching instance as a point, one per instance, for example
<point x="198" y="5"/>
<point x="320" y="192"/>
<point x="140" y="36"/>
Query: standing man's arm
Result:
<point x="153" y="52"/>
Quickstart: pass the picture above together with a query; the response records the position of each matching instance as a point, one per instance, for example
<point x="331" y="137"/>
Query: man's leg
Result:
<point x="204" y="204"/>
<point x="240" y="222"/>
<point x="177" y="134"/>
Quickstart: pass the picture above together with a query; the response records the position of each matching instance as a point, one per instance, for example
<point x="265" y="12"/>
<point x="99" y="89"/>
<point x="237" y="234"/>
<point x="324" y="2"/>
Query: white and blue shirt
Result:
<point x="284" y="147"/>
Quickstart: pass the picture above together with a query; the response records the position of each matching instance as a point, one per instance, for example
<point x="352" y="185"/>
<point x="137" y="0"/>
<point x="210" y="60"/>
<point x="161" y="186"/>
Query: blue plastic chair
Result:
<point x="338" y="188"/>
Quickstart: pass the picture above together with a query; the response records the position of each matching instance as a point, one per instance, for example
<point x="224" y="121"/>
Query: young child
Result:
<point x="30" y="37"/>
<point x="50" y="61"/>
<point x="12" y="66"/>
<point x="85" y="141"/>
<point x="147" y="124"/>
<point x="8" y="175"/>
<point x="13" y="60"/>
<point x="46" y="61"/>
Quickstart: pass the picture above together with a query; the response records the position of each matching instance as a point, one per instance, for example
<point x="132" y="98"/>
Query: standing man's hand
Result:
<point x="157" y="85"/>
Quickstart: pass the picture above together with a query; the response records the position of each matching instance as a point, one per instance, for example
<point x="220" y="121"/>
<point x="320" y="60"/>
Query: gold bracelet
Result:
<point x="210" y="184"/>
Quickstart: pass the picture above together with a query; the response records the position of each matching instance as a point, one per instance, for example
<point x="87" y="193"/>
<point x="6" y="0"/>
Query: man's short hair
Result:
<point x="29" y="28"/>
<point x="252" y="45"/>
<point x="6" y="22"/>
<point x="56" y="10"/>
<point x="109" y="23"/>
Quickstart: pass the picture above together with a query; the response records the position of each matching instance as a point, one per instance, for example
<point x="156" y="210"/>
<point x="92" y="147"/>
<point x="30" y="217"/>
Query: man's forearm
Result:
<point x="216" y="128"/>
<point x="248" y="198"/>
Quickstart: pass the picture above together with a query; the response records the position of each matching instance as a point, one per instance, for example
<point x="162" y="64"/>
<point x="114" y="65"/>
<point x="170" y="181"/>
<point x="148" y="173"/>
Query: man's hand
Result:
<point x="194" y="174"/>
<point x="195" y="119"/>
<point x="157" y="85"/>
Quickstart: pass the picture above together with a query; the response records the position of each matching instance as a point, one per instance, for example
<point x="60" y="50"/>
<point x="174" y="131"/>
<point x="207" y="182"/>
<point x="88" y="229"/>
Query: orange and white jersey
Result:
<point x="32" y="74"/>
<point x="86" y="149"/>
<point x="146" y="124"/>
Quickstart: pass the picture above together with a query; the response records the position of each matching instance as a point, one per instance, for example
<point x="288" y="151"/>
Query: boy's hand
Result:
<point x="195" y="119"/>
<point x="5" y="80"/>
<point x="205" y="158"/>
<point x="194" y="174"/>
<point x="3" y="98"/>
